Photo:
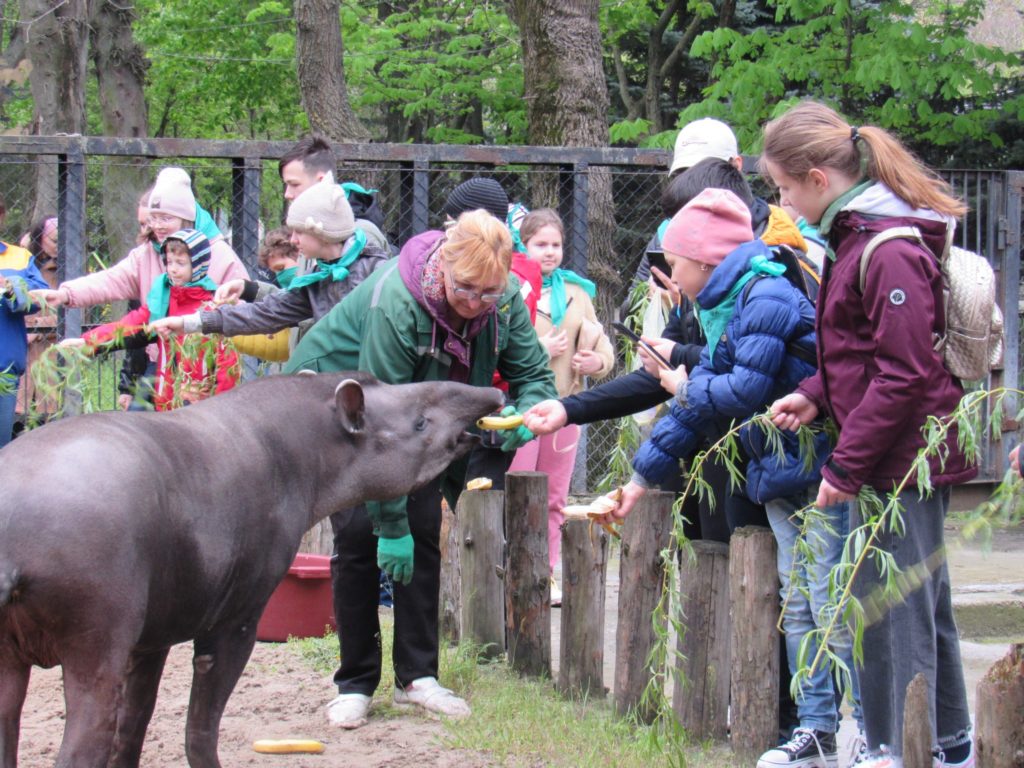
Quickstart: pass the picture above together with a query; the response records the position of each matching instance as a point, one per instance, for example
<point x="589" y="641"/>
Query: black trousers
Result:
<point x="355" y="580"/>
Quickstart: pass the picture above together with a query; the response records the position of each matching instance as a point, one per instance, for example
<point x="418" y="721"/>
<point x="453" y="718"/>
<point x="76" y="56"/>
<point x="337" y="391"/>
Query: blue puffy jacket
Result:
<point x="754" y="364"/>
<point x="19" y="269"/>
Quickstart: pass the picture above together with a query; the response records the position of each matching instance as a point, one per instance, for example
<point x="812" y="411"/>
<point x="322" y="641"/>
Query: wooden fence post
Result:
<point x="917" y="729"/>
<point x="700" y="697"/>
<point x="482" y="548"/>
<point x="644" y="535"/>
<point x="527" y="595"/>
<point x="450" y="603"/>
<point x="754" y="596"/>
<point x="584" y="567"/>
<point x="999" y="713"/>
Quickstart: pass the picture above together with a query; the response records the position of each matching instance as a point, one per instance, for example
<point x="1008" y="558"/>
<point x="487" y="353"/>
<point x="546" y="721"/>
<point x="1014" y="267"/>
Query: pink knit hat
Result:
<point x="709" y="227"/>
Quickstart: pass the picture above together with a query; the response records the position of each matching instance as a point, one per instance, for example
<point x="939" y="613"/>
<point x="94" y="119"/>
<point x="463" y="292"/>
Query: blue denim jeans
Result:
<point x="7" y="405"/>
<point x="805" y="598"/>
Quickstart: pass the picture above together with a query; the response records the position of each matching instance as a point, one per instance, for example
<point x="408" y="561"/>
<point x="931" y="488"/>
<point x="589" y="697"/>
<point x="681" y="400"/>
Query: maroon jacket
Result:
<point x="878" y="375"/>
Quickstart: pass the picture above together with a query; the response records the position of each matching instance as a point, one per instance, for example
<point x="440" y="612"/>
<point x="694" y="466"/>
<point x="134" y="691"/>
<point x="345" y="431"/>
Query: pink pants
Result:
<point x="555" y="455"/>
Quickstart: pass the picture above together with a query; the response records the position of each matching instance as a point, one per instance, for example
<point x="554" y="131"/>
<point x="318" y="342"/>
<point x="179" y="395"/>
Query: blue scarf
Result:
<point x="715" y="319"/>
<point x="335" y="270"/>
<point x="556" y="282"/>
<point x="159" y="296"/>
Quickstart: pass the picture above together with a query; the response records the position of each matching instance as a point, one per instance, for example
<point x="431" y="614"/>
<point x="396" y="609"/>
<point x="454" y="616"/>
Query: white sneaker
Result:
<point x="428" y="693"/>
<point x="882" y="760"/>
<point x="858" y="750"/>
<point x="349" y="710"/>
<point x="556" y="594"/>
<point x="939" y="760"/>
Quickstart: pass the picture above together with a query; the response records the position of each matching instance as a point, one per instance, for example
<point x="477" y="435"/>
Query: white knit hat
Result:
<point x="172" y="194"/>
<point x="702" y="139"/>
<point x="323" y="210"/>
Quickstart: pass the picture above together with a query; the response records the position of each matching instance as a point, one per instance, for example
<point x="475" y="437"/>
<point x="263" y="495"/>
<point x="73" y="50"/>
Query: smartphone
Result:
<point x="657" y="259"/>
<point x="625" y="330"/>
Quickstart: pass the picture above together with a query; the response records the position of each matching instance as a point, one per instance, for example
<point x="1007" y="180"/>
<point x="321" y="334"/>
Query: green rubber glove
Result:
<point x="394" y="557"/>
<point x="516" y="438"/>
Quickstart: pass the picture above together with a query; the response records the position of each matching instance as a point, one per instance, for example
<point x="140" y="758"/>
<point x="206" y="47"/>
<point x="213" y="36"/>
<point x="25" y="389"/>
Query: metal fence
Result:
<point x="93" y="184"/>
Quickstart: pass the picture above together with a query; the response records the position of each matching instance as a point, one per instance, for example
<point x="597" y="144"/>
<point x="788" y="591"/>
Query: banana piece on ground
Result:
<point x="479" y="484"/>
<point x="288" y="746"/>
<point x="500" y="422"/>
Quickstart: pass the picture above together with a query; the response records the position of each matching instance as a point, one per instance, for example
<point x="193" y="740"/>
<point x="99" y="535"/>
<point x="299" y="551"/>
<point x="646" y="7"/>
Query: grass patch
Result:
<point x="520" y="722"/>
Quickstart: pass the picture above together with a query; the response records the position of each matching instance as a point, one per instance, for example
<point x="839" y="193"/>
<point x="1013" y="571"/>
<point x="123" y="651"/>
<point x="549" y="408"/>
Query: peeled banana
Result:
<point x="479" y="484"/>
<point x="286" y="746"/>
<point x="500" y="422"/>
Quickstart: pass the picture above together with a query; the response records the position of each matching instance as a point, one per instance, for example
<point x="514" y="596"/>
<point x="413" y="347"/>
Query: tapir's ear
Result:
<point x="348" y="398"/>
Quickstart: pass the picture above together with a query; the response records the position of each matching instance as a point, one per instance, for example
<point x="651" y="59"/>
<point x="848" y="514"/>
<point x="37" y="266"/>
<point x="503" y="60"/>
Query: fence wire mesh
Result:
<point x="245" y="198"/>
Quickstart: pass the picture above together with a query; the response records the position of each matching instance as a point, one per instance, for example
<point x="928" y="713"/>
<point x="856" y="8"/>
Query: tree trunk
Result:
<point x="567" y="105"/>
<point x="120" y="66"/>
<point x="321" y="69"/>
<point x="57" y="40"/>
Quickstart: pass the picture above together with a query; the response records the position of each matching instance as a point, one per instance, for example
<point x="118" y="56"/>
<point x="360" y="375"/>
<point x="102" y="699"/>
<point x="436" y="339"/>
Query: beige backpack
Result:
<point x="973" y="343"/>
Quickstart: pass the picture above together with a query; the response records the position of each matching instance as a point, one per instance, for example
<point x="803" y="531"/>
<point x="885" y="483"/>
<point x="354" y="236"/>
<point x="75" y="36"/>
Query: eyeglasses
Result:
<point x="165" y="219"/>
<point x="469" y="295"/>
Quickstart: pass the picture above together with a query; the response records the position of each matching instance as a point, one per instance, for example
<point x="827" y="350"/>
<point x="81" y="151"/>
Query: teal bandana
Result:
<point x="715" y="320"/>
<point x="333" y="270"/>
<point x="285" y="276"/>
<point x="556" y="282"/>
<point x="159" y="296"/>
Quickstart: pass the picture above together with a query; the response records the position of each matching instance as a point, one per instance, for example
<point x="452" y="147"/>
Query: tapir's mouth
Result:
<point x="468" y="438"/>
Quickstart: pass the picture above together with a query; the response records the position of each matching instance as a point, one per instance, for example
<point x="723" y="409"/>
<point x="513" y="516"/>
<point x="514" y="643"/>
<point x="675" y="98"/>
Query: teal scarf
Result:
<point x="715" y="320"/>
<point x="285" y="276"/>
<point x="335" y="270"/>
<point x="556" y="282"/>
<point x="159" y="296"/>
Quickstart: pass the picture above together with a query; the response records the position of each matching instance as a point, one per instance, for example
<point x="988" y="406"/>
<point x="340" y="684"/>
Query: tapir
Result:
<point x="152" y="529"/>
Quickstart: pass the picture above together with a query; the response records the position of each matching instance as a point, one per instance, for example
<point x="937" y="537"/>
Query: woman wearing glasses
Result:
<point x="445" y="310"/>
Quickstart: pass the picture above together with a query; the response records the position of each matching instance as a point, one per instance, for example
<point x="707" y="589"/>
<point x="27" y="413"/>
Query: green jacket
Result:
<point x="381" y="329"/>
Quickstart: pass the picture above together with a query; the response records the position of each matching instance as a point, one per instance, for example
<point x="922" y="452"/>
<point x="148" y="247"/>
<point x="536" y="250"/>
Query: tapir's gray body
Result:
<point x="123" y="534"/>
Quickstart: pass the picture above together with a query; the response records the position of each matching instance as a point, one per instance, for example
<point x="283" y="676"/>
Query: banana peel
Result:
<point x="595" y="510"/>
<point x="500" y="422"/>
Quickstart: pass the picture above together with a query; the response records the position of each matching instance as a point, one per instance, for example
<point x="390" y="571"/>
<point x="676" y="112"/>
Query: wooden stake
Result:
<point x="527" y="595"/>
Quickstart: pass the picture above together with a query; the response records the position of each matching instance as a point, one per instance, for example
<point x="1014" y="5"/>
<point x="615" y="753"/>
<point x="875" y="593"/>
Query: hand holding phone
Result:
<point x="625" y="330"/>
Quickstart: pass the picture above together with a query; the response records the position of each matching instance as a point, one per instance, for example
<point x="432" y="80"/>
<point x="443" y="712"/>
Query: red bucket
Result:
<point x="301" y="606"/>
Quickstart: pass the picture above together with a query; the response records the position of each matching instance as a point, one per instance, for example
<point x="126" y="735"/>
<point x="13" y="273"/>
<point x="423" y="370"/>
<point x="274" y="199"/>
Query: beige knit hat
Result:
<point x="323" y="211"/>
<point x="172" y="194"/>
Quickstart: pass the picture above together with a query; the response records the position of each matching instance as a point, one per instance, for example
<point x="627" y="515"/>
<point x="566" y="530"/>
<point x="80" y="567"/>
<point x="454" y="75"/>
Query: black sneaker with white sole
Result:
<point x="807" y="749"/>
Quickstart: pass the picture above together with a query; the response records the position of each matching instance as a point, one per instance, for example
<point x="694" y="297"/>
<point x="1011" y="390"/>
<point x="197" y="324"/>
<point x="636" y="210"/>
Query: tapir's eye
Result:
<point x="421" y="423"/>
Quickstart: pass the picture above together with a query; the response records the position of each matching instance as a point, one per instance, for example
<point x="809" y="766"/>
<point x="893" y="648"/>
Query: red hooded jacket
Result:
<point x="879" y="376"/>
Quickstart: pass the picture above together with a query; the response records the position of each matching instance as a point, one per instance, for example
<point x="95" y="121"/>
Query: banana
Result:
<point x="479" y="484"/>
<point x="500" y="422"/>
<point x="286" y="746"/>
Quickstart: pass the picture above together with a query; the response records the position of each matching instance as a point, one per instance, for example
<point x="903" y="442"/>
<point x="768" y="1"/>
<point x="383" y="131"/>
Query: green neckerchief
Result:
<point x="556" y="282"/>
<point x="825" y="225"/>
<point x="159" y="296"/>
<point x="335" y="270"/>
<point x="285" y="276"/>
<point x="351" y="186"/>
<point x="714" y="320"/>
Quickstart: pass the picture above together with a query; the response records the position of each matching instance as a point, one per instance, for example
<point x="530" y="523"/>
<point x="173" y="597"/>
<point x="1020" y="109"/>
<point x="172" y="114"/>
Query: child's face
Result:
<point x="179" y="264"/>
<point x="691" y="276"/>
<point x="545" y="247"/>
<point x="310" y="246"/>
<point x="279" y="260"/>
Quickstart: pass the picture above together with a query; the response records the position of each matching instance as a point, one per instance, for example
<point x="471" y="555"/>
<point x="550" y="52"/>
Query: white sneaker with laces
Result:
<point x="426" y="692"/>
<point x="349" y="710"/>
<point x="881" y="760"/>
<point x="939" y="760"/>
<point x="858" y="750"/>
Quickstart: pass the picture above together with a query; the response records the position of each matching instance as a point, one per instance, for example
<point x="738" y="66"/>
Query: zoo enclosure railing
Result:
<point x="232" y="179"/>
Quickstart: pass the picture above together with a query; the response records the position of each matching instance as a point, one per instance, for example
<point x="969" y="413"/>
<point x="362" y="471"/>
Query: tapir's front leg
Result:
<point x="144" y="671"/>
<point x="14" y="676"/>
<point x="218" y="663"/>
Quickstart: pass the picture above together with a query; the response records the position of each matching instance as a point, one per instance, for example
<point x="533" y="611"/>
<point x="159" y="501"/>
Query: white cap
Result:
<point x="702" y="139"/>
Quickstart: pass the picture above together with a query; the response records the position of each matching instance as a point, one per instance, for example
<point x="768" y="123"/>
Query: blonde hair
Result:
<point x="479" y="249"/>
<point x="812" y="135"/>
<point x="535" y="221"/>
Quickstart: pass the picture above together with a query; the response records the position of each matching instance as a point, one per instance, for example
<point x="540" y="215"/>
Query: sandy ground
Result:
<point x="278" y="697"/>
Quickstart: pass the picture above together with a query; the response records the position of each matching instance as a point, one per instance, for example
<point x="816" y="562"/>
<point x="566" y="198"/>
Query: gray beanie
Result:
<point x="323" y="211"/>
<point x="478" y="192"/>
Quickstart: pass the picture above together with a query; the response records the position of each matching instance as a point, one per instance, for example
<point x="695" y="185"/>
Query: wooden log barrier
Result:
<point x="584" y="568"/>
<point x="482" y="548"/>
<point x="450" y="603"/>
<point x="645" y="534"/>
<point x="527" y="601"/>
<point x="917" y="729"/>
<point x="999" y="713"/>
<point x="700" y="698"/>
<point x="754" y="678"/>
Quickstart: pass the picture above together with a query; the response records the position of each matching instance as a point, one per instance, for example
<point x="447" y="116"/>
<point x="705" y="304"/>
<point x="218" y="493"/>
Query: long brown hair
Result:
<point x="812" y="135"/>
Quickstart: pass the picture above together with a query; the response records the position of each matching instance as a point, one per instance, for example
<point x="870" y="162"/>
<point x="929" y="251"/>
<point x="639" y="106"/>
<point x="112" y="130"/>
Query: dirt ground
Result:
<point x="278" y="697"/>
